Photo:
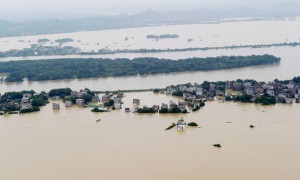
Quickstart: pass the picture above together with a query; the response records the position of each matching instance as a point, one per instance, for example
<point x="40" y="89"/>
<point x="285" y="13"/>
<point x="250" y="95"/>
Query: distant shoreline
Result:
<point x="210" y="21"/>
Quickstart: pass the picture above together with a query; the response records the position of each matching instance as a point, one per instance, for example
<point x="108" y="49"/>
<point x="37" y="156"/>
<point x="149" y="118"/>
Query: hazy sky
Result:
<point x="106" y="7"/>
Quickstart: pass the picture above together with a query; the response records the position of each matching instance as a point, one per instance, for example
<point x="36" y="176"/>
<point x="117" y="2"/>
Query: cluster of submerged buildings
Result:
<point x="282" y="91"/>
<point x="117" y="100"/>
<point x="193" y="94"/>
<point x="75" y="98"/>
<point x="106" y="101"/>
<point x="14" y="105"/>
<point x="181" y="106"/>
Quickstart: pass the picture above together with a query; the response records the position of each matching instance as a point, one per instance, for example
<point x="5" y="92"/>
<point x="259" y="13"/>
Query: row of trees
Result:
<point x="66" y="50"/>
<point x="108" y="51"/>
<point x="172" y="110"/>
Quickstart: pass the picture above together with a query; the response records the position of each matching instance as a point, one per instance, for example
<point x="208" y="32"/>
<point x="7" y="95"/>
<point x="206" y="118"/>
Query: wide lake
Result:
<point x="195" y="35"/>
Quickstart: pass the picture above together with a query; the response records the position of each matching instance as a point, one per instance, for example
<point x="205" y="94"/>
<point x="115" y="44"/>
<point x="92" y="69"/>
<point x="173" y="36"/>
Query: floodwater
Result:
<point x="202" y="35"/>
<point x="69" y="144"/>
<point x="287" y="69"/>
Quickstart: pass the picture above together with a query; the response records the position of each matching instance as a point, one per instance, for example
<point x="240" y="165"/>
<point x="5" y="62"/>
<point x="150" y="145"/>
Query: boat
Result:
<point x="181" y="124"/>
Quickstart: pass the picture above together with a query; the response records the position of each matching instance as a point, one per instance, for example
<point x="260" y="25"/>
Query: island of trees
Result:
<point x="163" y="36"/>
<point x="43" y="40"/>
<point x="64" y="40"/>
<point x="90" y="68"/>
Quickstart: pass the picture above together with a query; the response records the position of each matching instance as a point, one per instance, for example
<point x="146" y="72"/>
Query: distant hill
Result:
<point x="147" y="18"/>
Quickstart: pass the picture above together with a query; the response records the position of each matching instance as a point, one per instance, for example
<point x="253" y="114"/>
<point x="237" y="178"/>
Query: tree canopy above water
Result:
<point x="91" y="68"/>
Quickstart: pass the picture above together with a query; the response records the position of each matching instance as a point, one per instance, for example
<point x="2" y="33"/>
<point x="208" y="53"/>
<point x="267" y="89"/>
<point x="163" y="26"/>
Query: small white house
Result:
<point x="249" y="91"/>
<point x="173" y="104"/>
<point x="291" y="85"/>
<point x="56" y="97"/>
<point x="68" y="103"/>
<point x="26" y="106"/>
<point x="26" y="98"/>
<point x="164" y="106"/>
<point x="199" y="93"/>
<point x="79" y="102"/>
<point x="270" y="92"/>
<point x="169" y="91"/>
<point x="181" y="125"/>
<point x="135" y="109"/>
<point x="247" y="84"/>
<point x="55" y="106"/>
<point x="117" y="105"/>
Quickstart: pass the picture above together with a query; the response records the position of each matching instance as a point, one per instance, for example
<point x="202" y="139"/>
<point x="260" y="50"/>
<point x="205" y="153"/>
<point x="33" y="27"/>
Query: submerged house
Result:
<point x="169" y="91"/>
<point x="181" y="124"/>
<point x="79" y="102"/>
<point x="136" y="102"/>
<point x="106" y="97"/>
<point x="55" y="106"/>
<point x="68" y="103"/>
<point x="26" y="101"/>
<point x="117" y="105"/>
<point x="164" y="106"/>
<point x="95" y="99"/>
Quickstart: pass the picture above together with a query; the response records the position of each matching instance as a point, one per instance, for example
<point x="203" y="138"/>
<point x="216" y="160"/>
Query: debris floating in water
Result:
<point x="217" y="145"/>
<point x="98" y="120"/>
<point x="251" y="126"/>
<point x="170" y="127"/>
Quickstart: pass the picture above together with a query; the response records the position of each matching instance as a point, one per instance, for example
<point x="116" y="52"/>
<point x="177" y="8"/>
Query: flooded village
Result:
<point x="247" y="91"/>
<point x="191" y="97"/>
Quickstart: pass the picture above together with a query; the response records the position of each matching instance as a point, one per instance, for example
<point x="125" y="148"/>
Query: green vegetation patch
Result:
<point x="90" y="68"/>
<point x="193" y="124"/>
<point x="171" y="127"/>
